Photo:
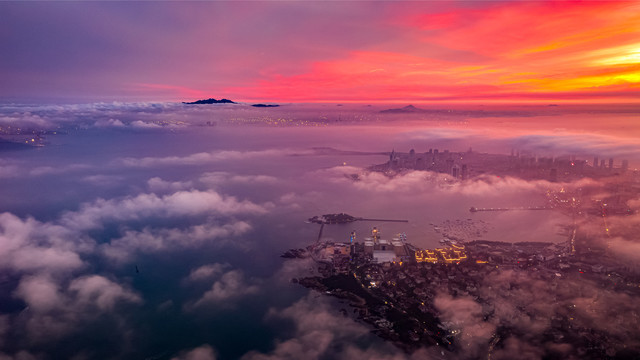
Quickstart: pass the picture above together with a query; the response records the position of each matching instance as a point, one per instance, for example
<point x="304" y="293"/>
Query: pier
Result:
<point x="385" y="220"/>
<point x="476" y="209"/>
<point x="343" y="218"/>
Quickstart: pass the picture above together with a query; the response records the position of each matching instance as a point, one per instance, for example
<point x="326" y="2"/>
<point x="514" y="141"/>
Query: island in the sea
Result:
<point x="343" y="218"/>
<point x="403" y="110"/>
<point x="210" y="101"/>
<point x="226" y="101"/>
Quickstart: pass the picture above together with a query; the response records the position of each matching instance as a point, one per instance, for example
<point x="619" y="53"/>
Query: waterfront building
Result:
<point x="382" y="256"/>
<point x="368" y="247"/>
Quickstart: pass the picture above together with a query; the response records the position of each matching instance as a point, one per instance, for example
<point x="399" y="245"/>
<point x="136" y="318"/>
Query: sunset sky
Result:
<point x="321" y="51"/>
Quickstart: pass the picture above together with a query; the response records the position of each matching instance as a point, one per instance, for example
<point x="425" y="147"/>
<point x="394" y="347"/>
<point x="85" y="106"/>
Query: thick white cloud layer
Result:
<point x="95" y="290"/>
<point x="158" y="185"/>
<point x="109" y="123"/>
<point x="426" y="182"/>
<point x="222" y="177"/>
<point x="465" y="315"/>
<point x="55" y="310"/>
<point x="544" y="143"/>
<point x="29" y="245"/>
<point x="50" y="260"/>
<point x="48" y="170"/>
<point x="154" y="240"/>
<point x="322" y="333"/>
<point x="181" y="203"/>
<point x="55" y="276"/>
<point x="197" y="158"/>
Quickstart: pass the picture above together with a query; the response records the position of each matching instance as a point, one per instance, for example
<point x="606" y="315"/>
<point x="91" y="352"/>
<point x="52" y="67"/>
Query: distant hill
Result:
<point x="410" y="109"/>
<point x="210" y="101"/>
<point x="265" y="105"/>
<point x="404" y="110"/>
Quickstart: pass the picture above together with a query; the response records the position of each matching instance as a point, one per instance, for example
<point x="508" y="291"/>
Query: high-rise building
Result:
<point x="610" y="163"/>
<point x="595" y="161"/>
<point x="464" y="171"/>
<point x="449" y="164"/>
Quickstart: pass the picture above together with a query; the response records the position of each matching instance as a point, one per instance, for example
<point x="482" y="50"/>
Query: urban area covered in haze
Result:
<point x="319" y="180"/>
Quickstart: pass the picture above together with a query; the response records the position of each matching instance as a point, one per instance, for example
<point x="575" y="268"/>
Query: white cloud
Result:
<point x="54" y="310"/>
<point x="465" y="315"/>
<point x="427" y="183"/>
<point x="40" y="292"/>
<point x="38" y="258"/>
<point x="144" y="125"/>
<point x="295" y="268"/>
<point x="154" y="240"/>
<point x="543" y="142"/>
<point x="156" y="184"/>
<point x="231" y="285"/>
<point x="206" y="272"/>
<point x="109" y="123"/>
<point x="95" y="290"/>
<point x="197" y="158"/>
<point x="48" y="170"/>
<point x="29" y="245"/>
<point x="514" y="348"/>
<point x="25" y="120"/>
<point x="221" y="177"/>
<point x="102" y="180"/>
<point x="320" y="333"/>
<point x="13" y="170"/>
<point x="203" y="352"/>
<point x="181" y="203"/>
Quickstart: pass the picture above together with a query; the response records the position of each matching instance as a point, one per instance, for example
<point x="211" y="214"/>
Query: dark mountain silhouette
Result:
<point x="210" y="101"/>
<point x="265" y="105"/>
<point x="410" y="109"/>
<point x="406" y="109"/>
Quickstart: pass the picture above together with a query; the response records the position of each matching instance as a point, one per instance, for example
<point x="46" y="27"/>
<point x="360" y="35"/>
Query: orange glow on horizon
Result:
<point x="521" y="52"/>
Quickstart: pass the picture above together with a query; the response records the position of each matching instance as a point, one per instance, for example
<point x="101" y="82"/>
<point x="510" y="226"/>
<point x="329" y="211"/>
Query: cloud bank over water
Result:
<point x="180" y="226"/>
